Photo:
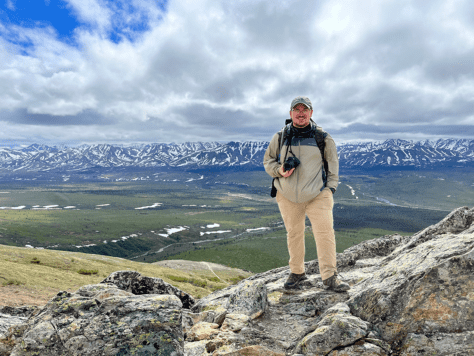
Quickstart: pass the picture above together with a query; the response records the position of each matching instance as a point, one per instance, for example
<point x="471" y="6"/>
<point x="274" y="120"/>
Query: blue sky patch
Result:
<point x="39" y="13"/>
<point x="127" y="22"/>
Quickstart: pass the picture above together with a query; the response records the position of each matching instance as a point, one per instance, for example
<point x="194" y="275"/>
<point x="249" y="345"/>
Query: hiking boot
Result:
<point x="335" y="284"/>
<point x="293" y="280"/>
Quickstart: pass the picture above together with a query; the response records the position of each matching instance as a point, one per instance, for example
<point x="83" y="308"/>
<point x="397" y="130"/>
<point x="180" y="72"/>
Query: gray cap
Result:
<point x="301" y="100"/>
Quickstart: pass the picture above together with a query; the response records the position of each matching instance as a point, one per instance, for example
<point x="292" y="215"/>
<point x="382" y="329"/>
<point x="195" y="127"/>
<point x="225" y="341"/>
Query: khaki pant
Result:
<point x="319" y="212"/>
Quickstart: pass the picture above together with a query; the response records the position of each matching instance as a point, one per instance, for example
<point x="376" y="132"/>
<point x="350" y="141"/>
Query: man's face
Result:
<point x="300" y="114"/>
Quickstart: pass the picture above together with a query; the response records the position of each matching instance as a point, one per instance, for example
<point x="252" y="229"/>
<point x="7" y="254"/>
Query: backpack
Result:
<point x="319" y="136"/>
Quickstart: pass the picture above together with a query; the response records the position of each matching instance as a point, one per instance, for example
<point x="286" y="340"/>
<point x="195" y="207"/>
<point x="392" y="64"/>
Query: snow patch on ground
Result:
<point x="173" y="230"/>
<point x="385" y="201"/>
<point x="257" y="229"/>
<point x="191" y="179"/>
<point x="352" y="191"/>
<point x="214" y="232"/>
<point x="86" y="245"/>
<point x="155" y="205"/>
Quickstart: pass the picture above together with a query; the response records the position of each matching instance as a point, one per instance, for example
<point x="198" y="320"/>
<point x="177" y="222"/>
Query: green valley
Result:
<point x="222" y="217"/>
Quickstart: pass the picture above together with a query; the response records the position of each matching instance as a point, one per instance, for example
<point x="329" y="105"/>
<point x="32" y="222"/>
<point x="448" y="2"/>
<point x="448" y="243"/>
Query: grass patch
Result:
<point x="88" y="271"/>
<point x="178" y="278"/>
<point x="59" y="271"/>
<point x="267" y="251"/>
<point x="12" y="282"/>
<point x="237" y="279"/>
<point x="236" y="256"/>
<point x="201" y="281"/>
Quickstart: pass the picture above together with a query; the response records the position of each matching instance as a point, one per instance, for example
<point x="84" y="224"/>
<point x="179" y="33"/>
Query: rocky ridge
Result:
<point x="409" y="296"/>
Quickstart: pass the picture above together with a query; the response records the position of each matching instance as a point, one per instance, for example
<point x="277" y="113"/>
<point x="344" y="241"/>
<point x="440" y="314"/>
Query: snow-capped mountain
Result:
<point x="406" y="154"/>
<point x="196" y="155"/>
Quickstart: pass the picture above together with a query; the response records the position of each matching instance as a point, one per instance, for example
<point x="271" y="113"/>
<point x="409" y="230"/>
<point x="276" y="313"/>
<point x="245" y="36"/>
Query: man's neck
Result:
<point x="304" y="128"/>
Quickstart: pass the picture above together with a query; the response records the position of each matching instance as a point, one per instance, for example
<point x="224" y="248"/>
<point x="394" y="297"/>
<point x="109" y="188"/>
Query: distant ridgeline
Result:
<point x="390" y="154"/>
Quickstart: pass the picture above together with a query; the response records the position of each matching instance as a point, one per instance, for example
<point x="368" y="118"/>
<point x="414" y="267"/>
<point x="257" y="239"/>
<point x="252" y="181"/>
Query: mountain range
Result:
<point x="389" y="154"/>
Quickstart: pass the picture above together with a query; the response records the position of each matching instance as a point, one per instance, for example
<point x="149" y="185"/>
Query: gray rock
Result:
<point x="11" y="317"/>
<point x="197" y="348"/>
<point x="103" y="320"/>
<point x="337" y="328"/>
<point x="250" y="298"/>
<point x="9" y="321"/>
<point x="440" y="344"/>
<point x="364" y="349"/>
<point x="134" y="282"/>
<point x="377" y="342"/>
<point x="235" y="322"/>
<point x="312" y="302"/>
<point x="426" y="287"/>
<point x="202" y="331"/>
<point x="458" y="221"/>
<point x="189" y="319"/>
<point x="23" y="311"/>
<point x="214" y="300"/>
<point x="254" y="350"/>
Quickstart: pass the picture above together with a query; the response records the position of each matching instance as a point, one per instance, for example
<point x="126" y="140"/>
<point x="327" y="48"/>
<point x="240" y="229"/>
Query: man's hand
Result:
<point x="284" y="173"/>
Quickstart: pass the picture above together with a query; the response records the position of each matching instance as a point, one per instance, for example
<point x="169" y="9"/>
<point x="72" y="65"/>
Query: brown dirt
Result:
<point x="15" y="296"/>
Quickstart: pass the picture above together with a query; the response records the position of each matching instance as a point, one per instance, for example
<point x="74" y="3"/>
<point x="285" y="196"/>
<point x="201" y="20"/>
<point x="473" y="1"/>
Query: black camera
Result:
<point x="290" y="163"/>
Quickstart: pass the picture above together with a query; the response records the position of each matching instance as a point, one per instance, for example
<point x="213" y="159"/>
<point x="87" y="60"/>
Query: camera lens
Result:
<point x="290" y="163"/>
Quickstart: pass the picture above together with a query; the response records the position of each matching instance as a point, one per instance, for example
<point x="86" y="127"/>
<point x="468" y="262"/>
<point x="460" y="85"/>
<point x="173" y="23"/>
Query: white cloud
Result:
<point x="228" y="70"/>
<point x="10" y="4"/>
<point x="93" y="13"/>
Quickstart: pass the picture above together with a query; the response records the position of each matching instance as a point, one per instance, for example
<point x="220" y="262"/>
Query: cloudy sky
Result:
<point x="141" y="71"/>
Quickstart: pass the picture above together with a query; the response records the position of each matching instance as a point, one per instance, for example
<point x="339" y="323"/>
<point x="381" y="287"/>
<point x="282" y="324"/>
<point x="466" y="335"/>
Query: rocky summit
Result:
<point x="409" y="296"/>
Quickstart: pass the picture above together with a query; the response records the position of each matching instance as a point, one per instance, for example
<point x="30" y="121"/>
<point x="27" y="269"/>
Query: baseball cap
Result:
<point x="301" y="100"/>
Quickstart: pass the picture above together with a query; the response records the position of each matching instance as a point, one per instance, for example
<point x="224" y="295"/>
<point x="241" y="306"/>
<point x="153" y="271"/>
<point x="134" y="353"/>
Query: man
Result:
<point x="306" y="190"/>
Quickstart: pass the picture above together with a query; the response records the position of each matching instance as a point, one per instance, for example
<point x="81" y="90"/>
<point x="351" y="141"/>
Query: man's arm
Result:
<point x="270" y="159"/>
<point x="330" y="154"/>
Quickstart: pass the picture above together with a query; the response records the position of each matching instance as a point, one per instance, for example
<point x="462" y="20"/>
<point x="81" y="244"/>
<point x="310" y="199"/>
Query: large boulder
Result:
<point x="250" y="298"/>
<point x="101" y="319"/>
<point x="134" y="282"/>
<point x="336" y="329"/>
<point x="426" y="286"/>
<point x="408" y="294"/>
<point x="14" y="316"/>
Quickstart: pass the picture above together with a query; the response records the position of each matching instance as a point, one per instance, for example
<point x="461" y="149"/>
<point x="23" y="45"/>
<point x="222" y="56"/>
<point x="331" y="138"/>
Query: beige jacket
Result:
<point x="308" y="179"/>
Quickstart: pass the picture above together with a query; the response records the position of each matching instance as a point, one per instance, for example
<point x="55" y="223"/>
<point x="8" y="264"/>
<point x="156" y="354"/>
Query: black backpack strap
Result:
<point x="320" y="136"/>
<point x="282" y="135"/>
